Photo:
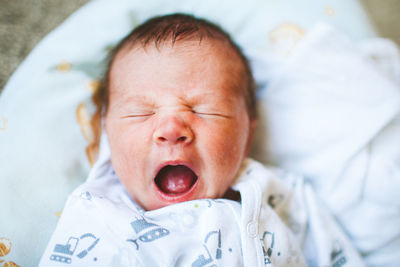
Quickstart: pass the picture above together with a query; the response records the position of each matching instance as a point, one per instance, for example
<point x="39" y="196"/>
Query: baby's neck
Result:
<point x="232" y="195"/>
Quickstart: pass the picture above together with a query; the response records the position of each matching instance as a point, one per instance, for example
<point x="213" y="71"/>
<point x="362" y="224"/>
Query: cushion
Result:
<point x="46" y="106"/>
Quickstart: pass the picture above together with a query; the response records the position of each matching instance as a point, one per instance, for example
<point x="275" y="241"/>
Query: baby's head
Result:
<point x="180" y="110"/>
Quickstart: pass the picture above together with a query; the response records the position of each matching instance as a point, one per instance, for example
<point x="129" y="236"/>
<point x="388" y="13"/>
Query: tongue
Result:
<point x="175" y="179"/>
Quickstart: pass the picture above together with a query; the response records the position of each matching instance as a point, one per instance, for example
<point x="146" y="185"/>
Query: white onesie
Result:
<point x="278" y="222"/>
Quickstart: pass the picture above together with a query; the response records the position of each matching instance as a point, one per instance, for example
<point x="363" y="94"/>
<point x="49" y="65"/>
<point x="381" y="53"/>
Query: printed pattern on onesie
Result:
<point x="268" y="219"/>
<point x="106" y="228"/>
<point x="293" y="225"/>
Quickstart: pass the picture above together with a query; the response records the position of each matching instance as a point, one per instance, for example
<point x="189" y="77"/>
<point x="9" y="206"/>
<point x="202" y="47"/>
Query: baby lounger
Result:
<point x="329" y="108"/>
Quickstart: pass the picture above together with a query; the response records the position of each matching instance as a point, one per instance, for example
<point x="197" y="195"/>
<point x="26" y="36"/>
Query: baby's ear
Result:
<point x="253" y="124"/>
<point x="252" y="128"/>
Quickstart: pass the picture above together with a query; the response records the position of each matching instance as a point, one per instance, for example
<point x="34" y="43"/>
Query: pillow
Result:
<point x="46" y="105"/>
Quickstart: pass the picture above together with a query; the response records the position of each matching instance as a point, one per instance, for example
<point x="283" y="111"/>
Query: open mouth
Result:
<point x="175" y="180"/>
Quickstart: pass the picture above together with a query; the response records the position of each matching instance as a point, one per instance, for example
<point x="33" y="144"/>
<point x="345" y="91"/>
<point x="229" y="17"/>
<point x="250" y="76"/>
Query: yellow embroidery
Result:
<point x="93" y="86"/>
<point x="3" y="124"/>
<point x="285" y="37"/>
<point x="58" y="214"/>
<point x="64" y="66"/>
<point x="10" y="264"/>
<point x="330" y="11"/>
<point x="5" y="248"/>
<point x="83" y="117"/>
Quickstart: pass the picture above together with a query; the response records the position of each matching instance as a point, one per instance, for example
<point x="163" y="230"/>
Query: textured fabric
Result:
<point x="332" y="110"/>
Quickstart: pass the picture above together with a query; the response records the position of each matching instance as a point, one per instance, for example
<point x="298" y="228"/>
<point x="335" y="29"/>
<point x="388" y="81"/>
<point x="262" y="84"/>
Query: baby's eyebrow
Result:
<point x="139" y="100"/>
<point x="190" y="100"/>
<point x="205" y="98"/>
<point x="123" y="102"/>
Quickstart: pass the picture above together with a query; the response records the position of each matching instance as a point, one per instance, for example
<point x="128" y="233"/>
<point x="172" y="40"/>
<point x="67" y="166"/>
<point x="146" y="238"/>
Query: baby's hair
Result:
<point x="158" y="31"/>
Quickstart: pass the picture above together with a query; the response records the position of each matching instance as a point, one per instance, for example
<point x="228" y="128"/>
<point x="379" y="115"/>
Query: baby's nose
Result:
<point x="173" y="130"/>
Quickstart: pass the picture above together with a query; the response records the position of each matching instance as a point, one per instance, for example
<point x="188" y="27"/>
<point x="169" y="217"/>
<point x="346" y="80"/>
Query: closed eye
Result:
<point x="137" y="115"/>
<point x="211" y="114"/>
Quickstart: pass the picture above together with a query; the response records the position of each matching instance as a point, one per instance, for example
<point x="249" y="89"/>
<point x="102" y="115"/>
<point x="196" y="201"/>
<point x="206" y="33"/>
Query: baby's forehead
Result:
<point x="187" y="47"/>
<point x="223" y="58"/>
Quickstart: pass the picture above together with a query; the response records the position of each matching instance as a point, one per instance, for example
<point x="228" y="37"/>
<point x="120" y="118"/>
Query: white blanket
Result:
<point x="331" y="111"/>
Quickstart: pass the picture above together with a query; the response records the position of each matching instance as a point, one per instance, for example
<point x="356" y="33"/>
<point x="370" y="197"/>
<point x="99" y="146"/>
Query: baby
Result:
<point x="180" y="111"/>
<point x="172" y="185"/>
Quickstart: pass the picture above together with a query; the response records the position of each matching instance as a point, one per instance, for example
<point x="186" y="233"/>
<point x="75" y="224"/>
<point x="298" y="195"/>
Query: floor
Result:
<point x="23" y="23"/>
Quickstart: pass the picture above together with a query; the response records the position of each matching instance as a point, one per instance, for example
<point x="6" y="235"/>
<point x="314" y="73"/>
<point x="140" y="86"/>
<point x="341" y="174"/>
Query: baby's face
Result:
<point x="177" y="122"/>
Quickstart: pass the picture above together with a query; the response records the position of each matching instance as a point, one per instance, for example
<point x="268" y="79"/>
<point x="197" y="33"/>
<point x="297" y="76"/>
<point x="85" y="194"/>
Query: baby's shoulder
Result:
<point x="103" y="190"/>
<point x="267" y="177"/>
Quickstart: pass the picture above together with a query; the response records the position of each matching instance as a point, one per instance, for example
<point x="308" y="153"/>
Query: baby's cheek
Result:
<point x="225" y="144"/>
<point x="124" y="141"/>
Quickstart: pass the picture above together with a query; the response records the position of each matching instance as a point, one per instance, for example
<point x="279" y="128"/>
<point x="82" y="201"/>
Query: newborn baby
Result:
<point x="172" y="185"/>
<point x="180" y="111"/>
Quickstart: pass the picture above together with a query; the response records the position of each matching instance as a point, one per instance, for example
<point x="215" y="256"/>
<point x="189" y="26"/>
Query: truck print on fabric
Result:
<point x="64" y="252"/>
